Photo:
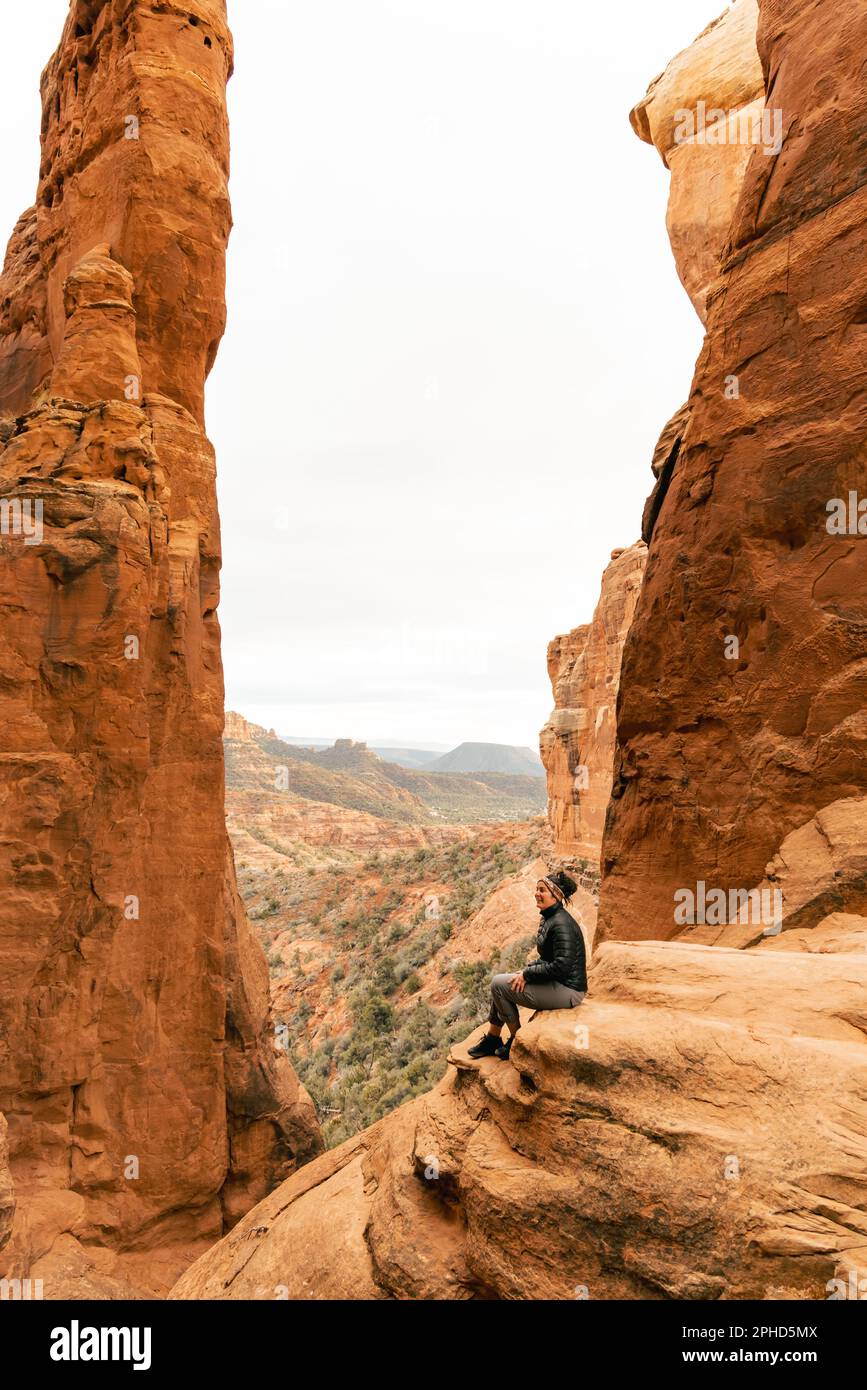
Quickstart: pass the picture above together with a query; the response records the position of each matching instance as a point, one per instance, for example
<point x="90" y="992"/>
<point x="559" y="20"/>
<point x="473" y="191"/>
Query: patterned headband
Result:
<point x="555" y="889"/>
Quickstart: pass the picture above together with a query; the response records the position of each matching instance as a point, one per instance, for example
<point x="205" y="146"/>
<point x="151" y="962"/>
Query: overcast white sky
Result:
<point x="455" y="332"/>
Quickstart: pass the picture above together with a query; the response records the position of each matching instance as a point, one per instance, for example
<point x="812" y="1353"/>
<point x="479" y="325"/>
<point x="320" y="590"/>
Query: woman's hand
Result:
<point x="518" y="983"/>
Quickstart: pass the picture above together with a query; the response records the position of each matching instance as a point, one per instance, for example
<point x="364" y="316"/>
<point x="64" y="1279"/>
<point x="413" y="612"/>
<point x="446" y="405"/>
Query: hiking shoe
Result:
<point x="487" y="1045"/>
<point x="504" y="1049"/>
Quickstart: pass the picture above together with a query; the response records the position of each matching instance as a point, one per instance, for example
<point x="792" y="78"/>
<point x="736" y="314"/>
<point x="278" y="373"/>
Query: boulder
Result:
<point x="695" y="1130"/>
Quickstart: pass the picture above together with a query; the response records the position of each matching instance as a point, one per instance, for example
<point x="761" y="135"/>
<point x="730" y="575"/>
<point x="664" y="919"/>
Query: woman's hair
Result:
<point x="564" y="882"/>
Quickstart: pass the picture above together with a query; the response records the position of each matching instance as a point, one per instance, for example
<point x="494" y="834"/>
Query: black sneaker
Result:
<point x="504" y="1049"/>
<point x="486" y="1046"/>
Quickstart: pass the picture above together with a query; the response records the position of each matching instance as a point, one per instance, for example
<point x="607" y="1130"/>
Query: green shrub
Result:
<point x="474" y="983"/>
<point x="384" y="977"/>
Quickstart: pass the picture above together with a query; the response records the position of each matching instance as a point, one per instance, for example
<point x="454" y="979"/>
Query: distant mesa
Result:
<point x="488" y="782"/>
<point x="407" y="757"/>
<point x="504" y="758"/>
<point x="489" y="757"/>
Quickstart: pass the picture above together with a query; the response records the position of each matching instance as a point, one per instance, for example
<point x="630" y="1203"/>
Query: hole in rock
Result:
<point x="795" y="539"/>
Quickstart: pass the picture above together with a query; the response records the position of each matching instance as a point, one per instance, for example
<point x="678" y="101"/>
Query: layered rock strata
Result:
<point x="705" y="114"/>
<point x="696" y="1130"/>
<point x="577" y="743"/>
<point x="7" y="1194"/>
<point x="669" y="1139"/>
<point x="744" y="681"/>
<point x="146" y="1104"/>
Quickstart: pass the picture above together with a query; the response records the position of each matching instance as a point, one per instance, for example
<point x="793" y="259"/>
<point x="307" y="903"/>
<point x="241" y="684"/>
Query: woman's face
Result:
<point x="544" y="896"/>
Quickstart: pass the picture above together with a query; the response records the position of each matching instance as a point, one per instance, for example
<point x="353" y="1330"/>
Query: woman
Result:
<point x="557" y="980"/>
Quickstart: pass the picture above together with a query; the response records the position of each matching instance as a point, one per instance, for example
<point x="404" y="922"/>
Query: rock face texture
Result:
<point x="744" y="680"/>
<point x="664" y="1140"/>
<point x="718" y="81"/>
<point x="820" y="874"/>
<point x="145" y="1100"/>
<point x="697" y="1129"/>
<point x="135" y="152"/>
<point x="7" y="1195"/>
<point x="577" y="743"/>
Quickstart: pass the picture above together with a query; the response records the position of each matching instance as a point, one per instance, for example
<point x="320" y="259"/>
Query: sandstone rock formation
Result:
<point x="7" y="1195"/>
<point x="718" y="80"/>
<point x="662" y="466"/>
<point x="742" y="711"/>
<point x="147" y="1107"/>
<point x="820" y="875"/>
<point x="237" y="729"/>
<point x="669" y="1139"/>
<point x="577" y="743"/>
<point x="697" y="1129"/>
<point x="135" y="153"/>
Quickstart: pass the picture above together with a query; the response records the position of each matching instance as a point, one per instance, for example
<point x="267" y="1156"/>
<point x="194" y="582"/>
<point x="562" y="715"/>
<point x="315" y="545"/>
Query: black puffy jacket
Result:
<point x="560" y="943"/>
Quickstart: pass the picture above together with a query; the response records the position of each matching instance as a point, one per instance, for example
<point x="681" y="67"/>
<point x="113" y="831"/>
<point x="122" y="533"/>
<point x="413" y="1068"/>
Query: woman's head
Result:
<point x="554" y="889"/>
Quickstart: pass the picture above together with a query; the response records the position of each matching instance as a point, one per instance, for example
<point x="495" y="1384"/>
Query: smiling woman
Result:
<point x="557" y="980"/>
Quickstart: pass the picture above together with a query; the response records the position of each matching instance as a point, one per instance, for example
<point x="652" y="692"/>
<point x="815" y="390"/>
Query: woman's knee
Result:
<point x="500" y="982"/>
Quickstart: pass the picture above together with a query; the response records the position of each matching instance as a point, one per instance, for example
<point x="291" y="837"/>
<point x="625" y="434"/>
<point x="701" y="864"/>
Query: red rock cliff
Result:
<point x="719" y="76"/>
<point x="698" y="1128"/>
<point x="577" y="743"/>
<point x="744" y="680"/>
<point x="144" y="1099"/>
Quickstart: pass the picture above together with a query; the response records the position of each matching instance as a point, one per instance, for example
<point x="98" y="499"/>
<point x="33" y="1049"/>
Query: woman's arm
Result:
<point x="564" y="953"/>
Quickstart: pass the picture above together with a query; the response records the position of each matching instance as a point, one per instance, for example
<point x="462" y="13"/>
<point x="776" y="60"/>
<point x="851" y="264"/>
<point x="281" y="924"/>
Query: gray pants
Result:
<point x="547" y="995"/>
